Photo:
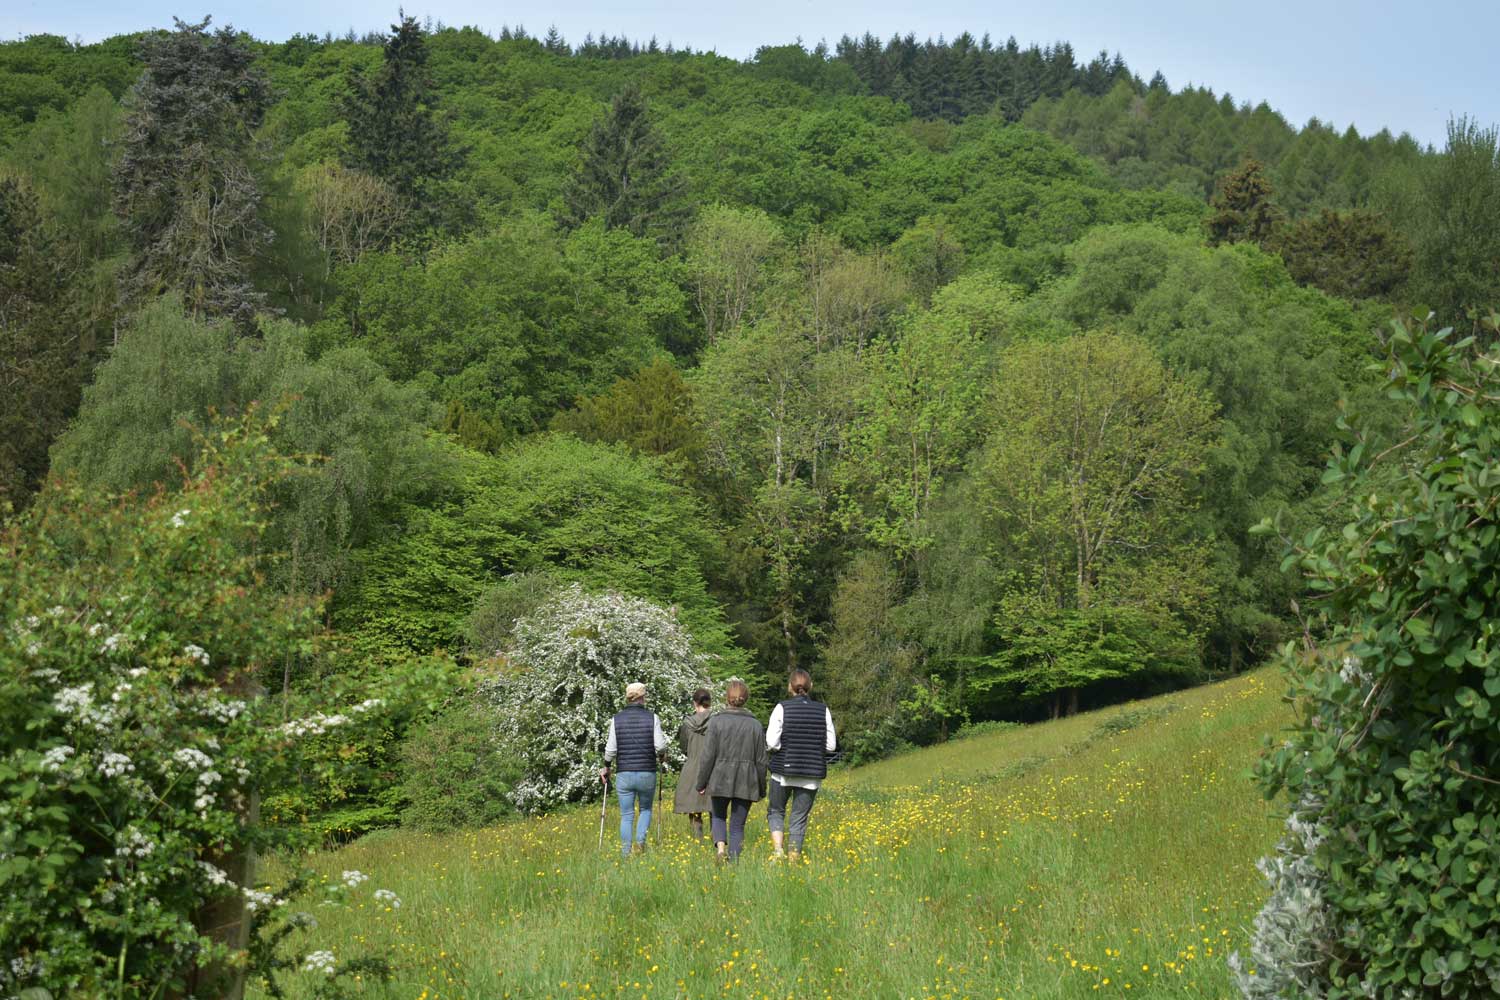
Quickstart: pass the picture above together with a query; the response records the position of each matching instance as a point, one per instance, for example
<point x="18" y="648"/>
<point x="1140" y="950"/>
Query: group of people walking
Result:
<point x="732" y="762"/>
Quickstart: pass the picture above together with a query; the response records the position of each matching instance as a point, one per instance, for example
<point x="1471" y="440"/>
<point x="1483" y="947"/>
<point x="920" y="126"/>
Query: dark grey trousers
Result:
<point x="724" y="811"/>
<point x="802" y="802"/>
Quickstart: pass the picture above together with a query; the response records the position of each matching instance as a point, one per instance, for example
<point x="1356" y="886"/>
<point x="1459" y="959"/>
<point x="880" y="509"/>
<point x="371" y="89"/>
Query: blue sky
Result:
<point x="1373" y="64"/>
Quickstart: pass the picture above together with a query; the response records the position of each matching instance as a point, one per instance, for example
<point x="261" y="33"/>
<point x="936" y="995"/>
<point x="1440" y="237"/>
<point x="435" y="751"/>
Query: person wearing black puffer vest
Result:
<point x="801" y="739"/>
<point x="635" y="739"/>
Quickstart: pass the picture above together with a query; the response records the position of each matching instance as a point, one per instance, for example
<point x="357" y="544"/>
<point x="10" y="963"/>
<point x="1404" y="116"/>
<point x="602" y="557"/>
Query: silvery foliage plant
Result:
<point x="563" y="676"/>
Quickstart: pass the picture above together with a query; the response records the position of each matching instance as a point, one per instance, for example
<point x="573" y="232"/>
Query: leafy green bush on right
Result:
<point x="1388" y="883"/>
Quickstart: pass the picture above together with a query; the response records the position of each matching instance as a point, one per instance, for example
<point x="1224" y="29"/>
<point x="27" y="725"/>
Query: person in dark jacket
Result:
<point x="800" y="738"/>
<point x="733" y="770"/>
<point x="690" y="735"/>
<point x="635" y="739"/>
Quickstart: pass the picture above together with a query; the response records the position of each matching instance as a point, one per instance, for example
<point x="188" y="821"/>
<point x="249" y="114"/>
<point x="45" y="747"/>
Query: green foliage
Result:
<point x="453" y="774"/>
<point x="1277" y="360"/>
<point x="1242" y="209"/>
<point x="1452" y="204"/>
<point x="868" y="664"/>
<point x="625" y="175"/>
<point x="1090" y="480"/>
<point x="185" y="186"/>
<point x="1354" y="255"/>
<point x="510" y="323"/>
<point x="730" y="254"/>
<point x="585" y="513"/>
<point x="1395" y="740"/>
<point x="930" y="255"/>
<point x="136" y="736"/>
<point x="171" y="372"/>
<point x="651" y="412"/>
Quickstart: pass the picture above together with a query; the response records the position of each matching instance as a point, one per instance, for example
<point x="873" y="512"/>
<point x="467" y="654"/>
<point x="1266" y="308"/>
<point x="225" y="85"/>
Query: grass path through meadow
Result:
<point x="1108" y="854"/>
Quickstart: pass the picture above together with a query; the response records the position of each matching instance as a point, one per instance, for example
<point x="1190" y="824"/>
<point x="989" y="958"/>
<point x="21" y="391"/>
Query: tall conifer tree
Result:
<point x="396" y="131"/>
<point x="626" y="175"/>
<point x="1242" y="208"/>
<point x="184" y="186"/>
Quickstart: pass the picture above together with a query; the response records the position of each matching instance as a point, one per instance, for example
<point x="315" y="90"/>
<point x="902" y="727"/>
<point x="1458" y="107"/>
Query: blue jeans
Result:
<point x="635" y="788"/>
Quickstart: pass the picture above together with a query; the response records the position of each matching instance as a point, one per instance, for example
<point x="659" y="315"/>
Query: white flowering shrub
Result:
<point x="134" y="741"/>
<point x="567" y="666"/>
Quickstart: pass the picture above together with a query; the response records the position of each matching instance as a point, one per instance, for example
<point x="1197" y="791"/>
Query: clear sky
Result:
<point x="1379" y="63"/>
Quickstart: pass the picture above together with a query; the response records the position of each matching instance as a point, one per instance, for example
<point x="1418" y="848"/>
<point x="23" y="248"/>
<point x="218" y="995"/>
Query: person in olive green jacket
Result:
<point x="733" y="770"/>
<point x="690" y="735"/>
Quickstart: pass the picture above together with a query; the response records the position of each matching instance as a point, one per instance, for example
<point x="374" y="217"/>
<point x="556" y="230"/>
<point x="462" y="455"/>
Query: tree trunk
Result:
<point x="1072" y="701"/>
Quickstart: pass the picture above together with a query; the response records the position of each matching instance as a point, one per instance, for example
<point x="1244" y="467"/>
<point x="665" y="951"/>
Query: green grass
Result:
<point x="1108" y="854"/>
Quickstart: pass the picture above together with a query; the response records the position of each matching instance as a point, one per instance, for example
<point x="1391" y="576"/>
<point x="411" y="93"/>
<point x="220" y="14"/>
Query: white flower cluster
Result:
<point x="114" y="643"/>
<point x="256" y="900"/>
<point x="115" y="764"/>
<point x="78" y="704"/>
<point x="195" y="652"/>
<point x="318" y="723"/>
<point x="578" y="651"/>
<point x="353" y="878"/>
<point x="54" y="759"/>
<point x="193" y="759"/>
<point x="319" y="961"/>
<point x="179" y="519"/>
<point x="135" y="845"/>
<point x="388" y="897"/>
<point x="223" y="711"/>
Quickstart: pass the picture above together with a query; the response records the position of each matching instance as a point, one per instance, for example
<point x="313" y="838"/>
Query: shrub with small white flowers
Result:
<point x="134" y="741"/>
<point x="564" y="676"/>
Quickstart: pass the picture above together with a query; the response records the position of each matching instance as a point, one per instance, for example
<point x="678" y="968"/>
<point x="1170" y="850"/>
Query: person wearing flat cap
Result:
<point x="634" y="743"/>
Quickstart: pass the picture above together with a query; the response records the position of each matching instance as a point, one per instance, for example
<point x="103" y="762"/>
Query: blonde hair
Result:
<point x="800" y="682"/>
<point x="736" y="693"/>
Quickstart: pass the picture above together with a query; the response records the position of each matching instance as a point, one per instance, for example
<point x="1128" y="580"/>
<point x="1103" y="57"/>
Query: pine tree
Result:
<point x="626" y="174"/>
<point x="1242" y="208"/>
<point x="395" y="129"/>
<point x="184" y="186"/>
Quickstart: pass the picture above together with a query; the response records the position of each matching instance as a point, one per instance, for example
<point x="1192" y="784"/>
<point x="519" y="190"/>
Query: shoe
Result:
<point x="722" y="854"/>
<point x="793" y="856"/>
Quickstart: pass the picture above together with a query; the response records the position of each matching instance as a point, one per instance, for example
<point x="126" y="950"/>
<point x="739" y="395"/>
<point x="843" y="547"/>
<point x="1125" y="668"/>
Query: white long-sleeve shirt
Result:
<point x="611" y="748"/>
<point x="773" y="743"/>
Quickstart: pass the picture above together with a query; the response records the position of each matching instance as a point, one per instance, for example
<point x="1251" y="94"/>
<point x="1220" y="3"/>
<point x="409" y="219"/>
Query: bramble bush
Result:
<point x="1388" y="882"/>
<point x="136" y="743"/>
<point x="563" y="676"/>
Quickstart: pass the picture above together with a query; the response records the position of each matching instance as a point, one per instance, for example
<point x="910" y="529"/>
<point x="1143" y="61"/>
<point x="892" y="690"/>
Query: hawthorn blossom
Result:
<point x="54" y="759"/>
<point x="193" y="759"/>
<point x="115" y="764"/>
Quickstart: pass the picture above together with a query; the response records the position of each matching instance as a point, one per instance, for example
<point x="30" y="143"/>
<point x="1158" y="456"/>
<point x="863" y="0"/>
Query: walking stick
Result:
<point x="603" y="804"/>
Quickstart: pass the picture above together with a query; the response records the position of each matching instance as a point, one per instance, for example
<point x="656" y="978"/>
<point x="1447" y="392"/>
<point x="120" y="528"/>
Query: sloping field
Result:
<point x="1108" y="854"/>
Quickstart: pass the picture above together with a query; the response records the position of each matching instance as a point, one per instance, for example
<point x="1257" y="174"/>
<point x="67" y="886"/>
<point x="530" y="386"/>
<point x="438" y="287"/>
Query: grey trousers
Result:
<point x="802" y="803"/>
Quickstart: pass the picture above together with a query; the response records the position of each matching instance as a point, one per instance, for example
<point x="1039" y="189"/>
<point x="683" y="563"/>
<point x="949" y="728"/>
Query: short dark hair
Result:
<point x="703" y="696"/>
<point x="800" y="682"/>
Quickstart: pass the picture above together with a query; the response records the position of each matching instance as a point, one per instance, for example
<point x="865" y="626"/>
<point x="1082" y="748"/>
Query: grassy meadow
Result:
<point x="1107" y="854"/>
